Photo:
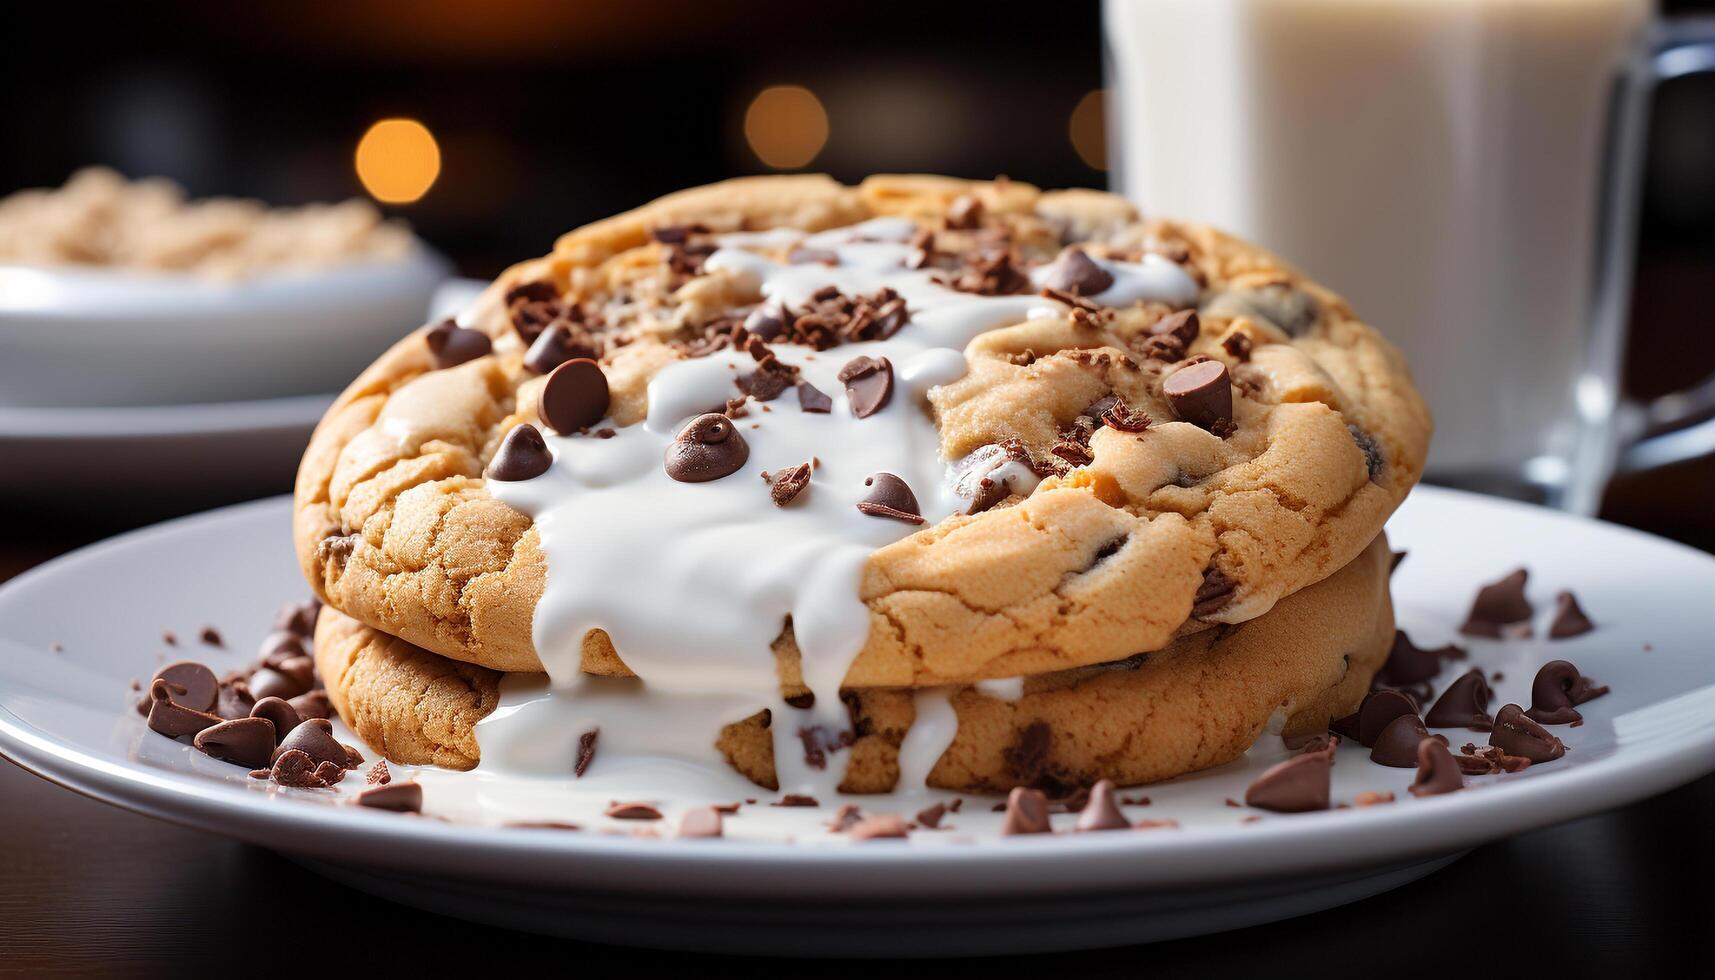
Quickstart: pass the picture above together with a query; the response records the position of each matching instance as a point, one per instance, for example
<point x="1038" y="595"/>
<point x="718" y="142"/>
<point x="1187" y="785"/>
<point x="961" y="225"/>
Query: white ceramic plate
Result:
<point x="63" y="715"/>
<point x="201" y="452"/>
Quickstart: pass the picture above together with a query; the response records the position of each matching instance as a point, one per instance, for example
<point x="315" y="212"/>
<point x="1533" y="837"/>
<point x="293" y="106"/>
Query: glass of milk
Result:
<point x="1465" y="172"/>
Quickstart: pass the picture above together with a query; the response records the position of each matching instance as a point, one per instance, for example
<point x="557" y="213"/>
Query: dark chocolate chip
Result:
<point x="882" y="826"/>
<point x="813" y="399"/>
<point x="248" y="742"/>
<point x="267" y="682"/>
<point x="400" y="797"/>
<point x="869" y="384"/>
<point x="796" y="799"/>
<point x="574" y="397"/>
<point x="234" y="700"/>
<point x="1101" y="811"/>
<point x="1182" y="326"/>
<point x="1557" y="688"/>
<point x="1201" y="393"/>
<point x="312" y="704"/>
<point x="586" y="751"/>
<point x="280" y="713"/>
<point x="555" y="346"/>
<point x="1298" y="785"/>
<point x="785" y="486"/>
<point x="302" y="671"/>
<point x="1516" y="734"/>
<point x="1076" y="273"/>
<point x="931" y="816"/>
<point x="1347" y="726"/>
<point x="450" y="344"/>
<point x="889" y="496"/>
<point x="1437" y="772"/>
<point x="1569" y="619"/>
<point x="1465" y="704"/>
<point x="1498" y="605"/>
<point x="298" y="617"/>
<point x="1396" y="746"/>
<point x="700" y="823"/>
<point x="314" y="738"/>
<point x="633" y="811"/>
<point x="278" y="647"/>
<point x="1216" y="591"/>
<point x="708" y="448"/>
<point x="297" y="769"/>
<point x="1408" y="664"/>
<point x="173" y="720"/>
<point x="1374" y="460"/>
<point x="192" y="685"/>
<point x="766" y="322"/>
<point x="209" y="636"/>
<point x="1026" y="813"/>
<point x="1378" y="711"/>
<point x="523" y="455"/>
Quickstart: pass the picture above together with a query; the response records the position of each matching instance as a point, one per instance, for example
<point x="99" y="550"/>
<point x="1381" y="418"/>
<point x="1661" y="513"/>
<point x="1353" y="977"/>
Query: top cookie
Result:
<point x="1153" y="428"/>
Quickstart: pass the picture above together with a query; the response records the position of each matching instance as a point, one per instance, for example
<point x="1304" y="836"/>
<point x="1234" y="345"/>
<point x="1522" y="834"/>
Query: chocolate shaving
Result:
<point x="785" y="486"/>
<point x="586" y="751"/>
<point x="1121" y="416"/>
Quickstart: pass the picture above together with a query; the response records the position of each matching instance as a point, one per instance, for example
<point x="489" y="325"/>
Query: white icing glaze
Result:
<point x="1002" y="688"/>
<point x="693" y="581"/>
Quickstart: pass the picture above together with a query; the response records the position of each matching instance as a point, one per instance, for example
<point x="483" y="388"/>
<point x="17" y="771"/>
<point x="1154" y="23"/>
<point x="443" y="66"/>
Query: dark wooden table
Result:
<point x="89" y="889"/>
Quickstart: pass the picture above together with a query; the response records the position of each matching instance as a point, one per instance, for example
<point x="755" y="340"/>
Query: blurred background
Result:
<point x="515" y="120"/>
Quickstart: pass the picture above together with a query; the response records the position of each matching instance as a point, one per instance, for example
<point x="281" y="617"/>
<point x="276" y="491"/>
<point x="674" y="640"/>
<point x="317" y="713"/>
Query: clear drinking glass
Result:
<point x="1466" y="172"/>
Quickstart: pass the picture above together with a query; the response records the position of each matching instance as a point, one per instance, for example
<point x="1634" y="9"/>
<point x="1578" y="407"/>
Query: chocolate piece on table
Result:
<point x="248" y="742"/>
<point x="1408" y="664"/>
<point x="1101" y="811"/>
<point x="280" y="713"/>
<point x="813" y="399"/>
<point x="889" y="496"/>
<point x="235" y="700"/>
<point x="785" y="485"/>
<point x="1378" y="710"/>
<point x="523" y="455"/>
<point x="1076" y="273"/>
<point x="1201" y="393"/>
<point x="298" y="617"/>
<point x="379" y="774"/>
<point x="190" y="684"/>
<point x="882" y="826"/>
<point x="281" y="645"/>
<point x="1569" y="618"/>
<point x="931" y="816"/>
<point x="312" y="704"/>
<point x="1517" y="734"/>
<point x="1499" y="605"/>
<point x="266" y="682"/>
<point x="1396" y="746"/>
<point x="209" y="636"/>
<point x="450" y="344"/>
<point x="869" y="384"/>
<point x="1557" y="688"/>
<point x="1465" y="704"/>
<point x="296" y="769"/>
<point x="1437" y="772"/>
<point x="574" y="397"/>
<point x="314" y="738"/>
<point x="1298" y="785"/>
<point x="1026" y="813"/>
<point x="632" y="811"/>
<point x="401" y="797"/>
<point x="1346" y="727"/>
<point x="796" y="799"/>
<point x="586" y="751"/>
<point x="173" y="720"/>
<point x="708" y="448"/>
<point x="700" y="822"/>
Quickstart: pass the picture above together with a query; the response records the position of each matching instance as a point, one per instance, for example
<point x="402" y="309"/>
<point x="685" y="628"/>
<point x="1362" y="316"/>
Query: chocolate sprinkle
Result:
<point x="1465" y="704"/>
<point x="1516" y="734"/>
<point x="1298" y="785"/>
<point x="1569" y="619"/>
<point x="869" y="384"/>
<point x="575" y="396"/>
<point x="523" y="455"/>
<point x="708" y="448"/>
<point x="1498" y="605"/>
<point x="450" y="344"/>
<point x="1437" y="772"/>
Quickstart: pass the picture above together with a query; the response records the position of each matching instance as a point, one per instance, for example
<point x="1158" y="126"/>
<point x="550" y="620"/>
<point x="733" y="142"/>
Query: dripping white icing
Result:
<point x="693" y="582"/>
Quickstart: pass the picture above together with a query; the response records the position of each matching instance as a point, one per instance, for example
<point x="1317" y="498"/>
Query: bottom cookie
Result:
<point x="1199" y="702"/>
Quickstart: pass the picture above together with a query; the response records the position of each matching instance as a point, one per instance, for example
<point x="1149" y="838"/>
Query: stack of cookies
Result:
<point x="861" y="489"/>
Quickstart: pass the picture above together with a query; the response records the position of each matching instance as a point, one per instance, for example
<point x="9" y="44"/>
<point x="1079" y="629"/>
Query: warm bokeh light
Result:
<point x="786" y="126"/>
<point x="398" y="161"/>
<point x="1088" y="129"/>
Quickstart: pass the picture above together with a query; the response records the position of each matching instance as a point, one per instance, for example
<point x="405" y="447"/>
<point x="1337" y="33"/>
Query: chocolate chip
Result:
<point x="785" y="485"/>
<point x="312" y="704"/>
<point x="1396" y="746"/>
<point x="882" y="826"/>
<point x="1216" y="591"/>
<point x="248" y="742"/>
<point x="298" y="617"/>
<point x="1026" y="813"/>
<point x="297" y="769"/>
<point x="707" y="448"/>
<point x="174" y="720"/>
<point x="401" y="797"/>
<point x="632" y="811"/>
<point x="1237" y="345"/>
<point x="869" y="384"/>
<point x="700" y="822"/>
<point x="796" y="799"/>
<point x="813" y="399"/>
<point x="192" y="685"/>
<point x="586" y="751"/>
<point x="889" y="496"/>
<point x="931" y="816"/>
<point x="1516" y="734"/>
<point x="1347" y="726"/>
<point x="1408" y="664"/>
<point x="234" y="700"/>
<point x="267" y="682"/>
<point x="209" y="636"/>
<point x="314" y="738"/>
<point x="1437" y="773"/>
<point x="523" y="455"/>
<point x="1373" y="458"/>
<point x="574" y="397"/>
<point x="1182" y="326"/>
<point x="766" y="322"/>
<point x="555" y="346"/>
<point x="1101" y="811"/>
<point x="301" y="669"/>
<point x="1569" y="619"/>
<point x="1465" y="704"/>
<point x="1557" y="688"/>
<point x="278" y="647"/>
<point x="1201" y="393"/>
<point x="1076" y="273"/>
<point x="1498" y="605"/>
<point x="1378" y="711"/>
<point x="280" y="714"/>
<point x="1298" y="785"/>
<point x="450" y="344"/>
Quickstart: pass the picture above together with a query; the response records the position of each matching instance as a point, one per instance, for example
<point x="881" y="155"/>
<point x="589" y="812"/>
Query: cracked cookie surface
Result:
<point x="1147" y="525"/>
<point x="1199" y="702"/>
